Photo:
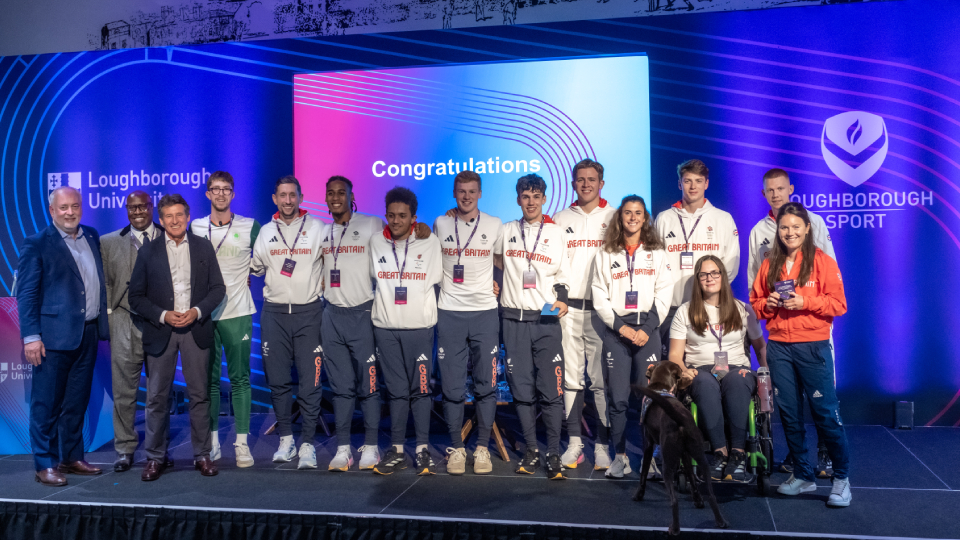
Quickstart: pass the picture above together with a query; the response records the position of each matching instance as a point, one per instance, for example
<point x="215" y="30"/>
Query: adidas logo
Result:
<point x="615" y="265"/>
<point x="326" y="238"/>
<point x="383" y="260"/>
<point x="372" y="359"/>
<point x="671" y="235"/>
<point x="494" y="351"/>
<point x="319" y="349"/>
<point x="557" y="358"/>
<point x="422" y="358"/>
<point x="274" y="239"/>
<point x="449" y="238"/>
<point x="245" y="338"/>
<point x="766" y="242"/>
<point x="569" y="230"/>
<point x="816" y="394"/>
<point x="513" y="240"/>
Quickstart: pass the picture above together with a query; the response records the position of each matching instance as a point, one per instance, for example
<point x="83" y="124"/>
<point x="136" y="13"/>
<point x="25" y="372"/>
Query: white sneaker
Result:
<point x="456" y="461"/>
<point x="840" y="494"/>
<point x="308" y="456"/>
<point x="215" y="451"/>
<point x="601" y="457"/>
<point x="287" y="450"/>
<point x="244" y="459"/>
<point x="653" y="472"/>
<point x="572" y="457"/>
<point x="796" y="486"/>
<point x="369" y="457"/>
<point x="343" y="460"/>
<point x="481" y="461"/>
<point x="619" y="467"/>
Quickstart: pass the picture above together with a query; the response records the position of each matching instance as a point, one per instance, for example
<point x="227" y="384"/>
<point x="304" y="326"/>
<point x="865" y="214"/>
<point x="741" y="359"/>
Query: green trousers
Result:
<point x="233" y="337"/>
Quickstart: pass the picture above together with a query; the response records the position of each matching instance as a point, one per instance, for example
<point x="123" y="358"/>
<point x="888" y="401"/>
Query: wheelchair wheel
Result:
<point x="682" y="484"/>
<point x="763" y="485"/>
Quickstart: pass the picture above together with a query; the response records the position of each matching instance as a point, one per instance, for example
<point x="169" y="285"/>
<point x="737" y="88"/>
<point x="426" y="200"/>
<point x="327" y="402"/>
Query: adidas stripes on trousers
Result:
<point x="535" y="373"/>
<point x="233" y="337"/>
<point x="406" y="364"/>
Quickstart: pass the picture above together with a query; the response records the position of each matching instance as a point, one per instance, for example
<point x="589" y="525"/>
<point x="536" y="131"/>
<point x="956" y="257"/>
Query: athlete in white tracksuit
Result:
<point x="690" y="229"/>
<point x="585" y="223"/>
<point x="287" y="252"/>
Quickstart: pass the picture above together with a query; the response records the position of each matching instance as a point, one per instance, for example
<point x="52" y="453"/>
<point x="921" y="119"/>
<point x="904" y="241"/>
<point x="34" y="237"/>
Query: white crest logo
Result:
<point x="3" y="371"/>
<point x="853" y="132"/>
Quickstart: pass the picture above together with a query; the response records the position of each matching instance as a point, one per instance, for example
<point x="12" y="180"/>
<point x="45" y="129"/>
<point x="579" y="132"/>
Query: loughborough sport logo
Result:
<point x="852" y="137"/>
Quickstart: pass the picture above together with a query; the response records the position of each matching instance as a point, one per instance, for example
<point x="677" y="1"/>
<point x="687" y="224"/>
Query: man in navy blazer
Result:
<point x="62" y="303"/>
<point x="175" y="286"/>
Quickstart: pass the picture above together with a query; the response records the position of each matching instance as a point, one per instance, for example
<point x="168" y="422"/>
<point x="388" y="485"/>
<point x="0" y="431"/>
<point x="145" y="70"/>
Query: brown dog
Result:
<point x="668" y="423"/>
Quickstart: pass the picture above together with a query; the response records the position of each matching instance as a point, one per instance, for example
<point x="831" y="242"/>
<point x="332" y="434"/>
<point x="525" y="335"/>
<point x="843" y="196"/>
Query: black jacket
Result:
<point x="151" y="291"/>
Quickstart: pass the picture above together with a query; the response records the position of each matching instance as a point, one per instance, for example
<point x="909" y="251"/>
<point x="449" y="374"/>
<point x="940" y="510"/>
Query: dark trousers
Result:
<point x="724" y="404"/>
<point x="406" y="361"/>
<point x="160" y="373"/>
<point x="624" y="365"/>
<point x="347" y="336"/>
<point x="468" y="336"/>
<point x="799" y="368"/>
<point x="290" y="337"/>
<point x="535" y="373"/>
<point x="58" y="401"/>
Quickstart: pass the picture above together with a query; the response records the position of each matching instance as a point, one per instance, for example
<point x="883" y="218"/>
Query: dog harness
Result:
<point x="647" y="401"/>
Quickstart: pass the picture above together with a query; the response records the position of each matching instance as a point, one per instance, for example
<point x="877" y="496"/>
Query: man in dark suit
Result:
<point x="175" y="286"/>
<point x="119" y="250"/>
<point x="63" y="306"/>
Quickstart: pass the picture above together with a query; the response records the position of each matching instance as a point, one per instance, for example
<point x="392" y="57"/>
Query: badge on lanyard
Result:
<point x="288" y="263"/>
<point x="400" y="292"/>
<point x="334" y="278"/>
<point x="686" y="257"/>
<point x="720" y="365"/>
<point x="530" y="275"/>
<point x="288" y="266"/>
<point x="530" y="279"/>
<point x="686" y="260"/>
<point x="458" y="273"/>
<point x="458" y="268"/>
<point x="399" y="295"/>
<point x="631" y="300"/>
<point x="335" y="251"/>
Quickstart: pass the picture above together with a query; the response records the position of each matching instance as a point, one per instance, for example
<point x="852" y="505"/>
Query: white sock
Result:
<point x="575" y="441"/>
<point x="421" y="448"/>
<point x="286" y="439"/>
<point x="215" y="438"/>
<point x="398" y="448"/>
<point x="241" y="438"/>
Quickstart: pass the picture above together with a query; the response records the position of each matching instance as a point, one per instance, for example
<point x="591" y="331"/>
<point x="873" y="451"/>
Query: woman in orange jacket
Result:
<point x="799" y="291"/>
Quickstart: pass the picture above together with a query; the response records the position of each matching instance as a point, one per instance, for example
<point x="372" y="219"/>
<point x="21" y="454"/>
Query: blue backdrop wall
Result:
<point x="745" y="91"/>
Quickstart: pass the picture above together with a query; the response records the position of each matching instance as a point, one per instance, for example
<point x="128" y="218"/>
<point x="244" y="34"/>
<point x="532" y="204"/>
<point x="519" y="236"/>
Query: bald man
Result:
<point x="119" y="250"/>
<point x="62" y="303"/>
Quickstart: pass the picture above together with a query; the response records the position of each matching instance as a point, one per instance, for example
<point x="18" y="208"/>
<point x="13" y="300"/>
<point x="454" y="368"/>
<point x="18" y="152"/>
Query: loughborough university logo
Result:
<point x="848" y="137"/>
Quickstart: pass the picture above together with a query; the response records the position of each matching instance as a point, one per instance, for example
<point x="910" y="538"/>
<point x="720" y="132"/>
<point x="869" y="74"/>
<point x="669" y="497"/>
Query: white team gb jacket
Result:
<point x="611" y="281"/>
<point x="764" y="234"/>
<point x="269" y="253"/>
<point x="353" y="260"/>
<point x="423" y="270"/>
<point x="715" y="234"/>
<point x="585" y="237"/>
<point x="549" y="260"/>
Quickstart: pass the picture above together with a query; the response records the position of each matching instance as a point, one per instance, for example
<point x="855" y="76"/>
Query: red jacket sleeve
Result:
<point x="759" y="293"/>
<point x="831" y="302"/>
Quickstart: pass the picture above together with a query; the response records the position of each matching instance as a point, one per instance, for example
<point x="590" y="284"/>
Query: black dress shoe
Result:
<point x="167" y="463"/>
<point x="206" y="466"/>
<point x="50" y="477"/>
<point x="152" y="471"/>
<point x="123" y="463"/>
<point x="79" y="467"/>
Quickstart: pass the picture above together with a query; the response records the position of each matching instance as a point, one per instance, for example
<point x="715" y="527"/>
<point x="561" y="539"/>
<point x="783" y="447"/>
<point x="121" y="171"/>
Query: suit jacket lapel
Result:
<point x="60" y="245"/>
<point x="165" y="261"/>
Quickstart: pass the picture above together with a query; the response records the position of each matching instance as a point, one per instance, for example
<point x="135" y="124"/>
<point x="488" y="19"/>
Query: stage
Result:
<point x="905" y="484"/>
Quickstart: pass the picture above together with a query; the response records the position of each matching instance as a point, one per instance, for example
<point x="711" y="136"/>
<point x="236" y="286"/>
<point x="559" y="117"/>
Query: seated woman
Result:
<point x="707" y="339"/>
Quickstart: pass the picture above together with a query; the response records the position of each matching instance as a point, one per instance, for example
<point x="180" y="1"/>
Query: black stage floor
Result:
<point x="905" y="484"/>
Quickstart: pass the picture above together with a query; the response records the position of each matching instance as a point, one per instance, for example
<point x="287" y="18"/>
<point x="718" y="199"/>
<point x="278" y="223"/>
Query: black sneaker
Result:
<point x="717" y="462"/>
<point x="824" y="464"/>
<point x="736" y="467"/>
<point x="529" y="463"/>
<point x="786" y="466"/>
<point x="425" y="466"/>
<point x="554" y="468"/>
<point x="392" y="462"/>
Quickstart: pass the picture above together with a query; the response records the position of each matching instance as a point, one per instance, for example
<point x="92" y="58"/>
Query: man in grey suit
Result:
<point x="119" y="252"/>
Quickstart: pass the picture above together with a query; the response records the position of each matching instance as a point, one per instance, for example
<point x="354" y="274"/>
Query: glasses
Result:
<point x="703" y="276"/>
<point x="221" y="191"/>
<point x="138" y="207"/>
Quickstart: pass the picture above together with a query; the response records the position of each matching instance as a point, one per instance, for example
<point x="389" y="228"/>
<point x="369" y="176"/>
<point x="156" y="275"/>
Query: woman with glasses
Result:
<point x="631" y="289"/>
<point x="799" y="291"/>
<point x="707" y="339"/>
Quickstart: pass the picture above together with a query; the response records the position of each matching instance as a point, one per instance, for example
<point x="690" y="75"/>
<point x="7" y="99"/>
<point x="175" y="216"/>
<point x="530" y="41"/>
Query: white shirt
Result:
<point x="235" y="240"/>
<point x="476" y="291"/>
<point x="586" y="234"/>
<point x="272" y="248"/>
<point x="352" y="259"/>
<point x="699" y="349"/>
<point x="715" y="234"/>
<point x="611" y="281"/>
<point x="764" y="234"/>
<point x="421" y="271"/>
<point x="178" y="255"/>
<point x="548" y="259"/>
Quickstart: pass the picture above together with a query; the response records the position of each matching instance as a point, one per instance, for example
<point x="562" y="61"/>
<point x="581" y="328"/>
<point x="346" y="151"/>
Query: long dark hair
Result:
<point x="731" y="316"/>
<point x="778" y="255"/>
<point x="614" y="241"/>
